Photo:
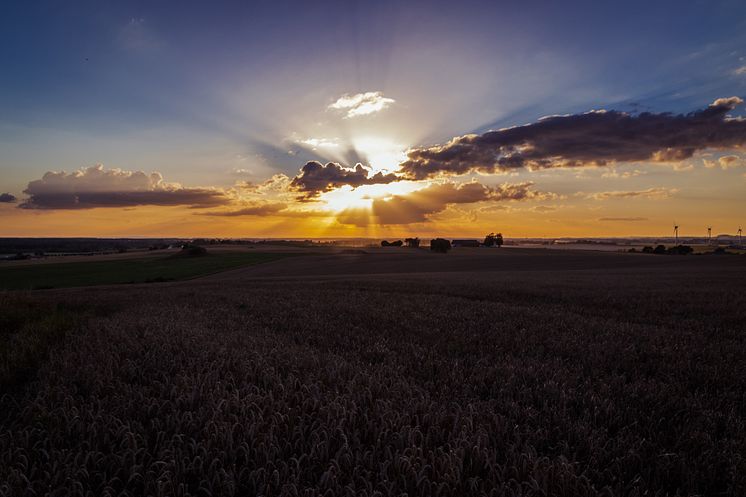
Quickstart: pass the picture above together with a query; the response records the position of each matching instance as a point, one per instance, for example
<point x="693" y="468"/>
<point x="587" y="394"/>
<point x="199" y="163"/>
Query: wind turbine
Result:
<point x="740" y="240"/>
<point x="676" y="232"/>
<point x="709" y="235"/>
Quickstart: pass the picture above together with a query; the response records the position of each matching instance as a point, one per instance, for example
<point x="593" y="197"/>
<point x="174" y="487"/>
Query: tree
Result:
<point x="412" y="242"/>
<point x="493" y="239"/>
<point x="440" y="245"/>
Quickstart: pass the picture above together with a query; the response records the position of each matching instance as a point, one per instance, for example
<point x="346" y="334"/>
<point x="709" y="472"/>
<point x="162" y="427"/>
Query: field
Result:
<point x="386" y="372"/>
<point x="117" y="270"/>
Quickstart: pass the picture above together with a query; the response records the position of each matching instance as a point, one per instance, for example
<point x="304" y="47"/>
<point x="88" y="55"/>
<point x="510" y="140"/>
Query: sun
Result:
<point x="382" y="154"/>
<point x="362" y="197"/>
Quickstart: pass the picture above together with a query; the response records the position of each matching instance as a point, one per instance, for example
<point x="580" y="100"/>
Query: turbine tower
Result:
<point x="709" y="235"/>
<point x="676" y="232"/>
<point x="740" y="241"/>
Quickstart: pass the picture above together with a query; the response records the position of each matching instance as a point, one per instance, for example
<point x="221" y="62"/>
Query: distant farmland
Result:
<point x="125" y="270"/>
<point x="485" y="373"/>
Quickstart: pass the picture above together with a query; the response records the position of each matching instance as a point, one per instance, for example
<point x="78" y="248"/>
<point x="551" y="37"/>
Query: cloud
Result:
<point x="595" y="138"/>
<point x="613" y="173"/>
<point x="655" y="193"/>
<point x="98" y="187"/>
<point x="623" y="219"/>
<point x="7" y="198"/>
<point x="416" y="207"/>
<point x="725" y="162"/>
<point x="544" y="208"/>
<point x="740" y="71"/>
<point x="362" y="104"/>
<point x="316" y="178"/>
<point x="315" y="143"/>
<point x="251" y="209"/>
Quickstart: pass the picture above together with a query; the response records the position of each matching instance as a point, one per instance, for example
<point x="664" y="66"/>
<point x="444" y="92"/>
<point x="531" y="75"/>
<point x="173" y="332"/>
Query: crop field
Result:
<point x="124" y="270"/>
<point x="511" y="372"/>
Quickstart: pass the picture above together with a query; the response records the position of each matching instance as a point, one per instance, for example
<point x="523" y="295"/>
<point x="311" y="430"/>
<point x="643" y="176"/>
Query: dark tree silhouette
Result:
<point x="493" y="239"/>
<point x="397" y="243"/>
<point x="412" y="242"/>
<point x="440" y="245"/>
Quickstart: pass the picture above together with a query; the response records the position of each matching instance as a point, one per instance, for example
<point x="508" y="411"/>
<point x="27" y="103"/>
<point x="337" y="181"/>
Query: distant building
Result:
<point x="465" y="243"/>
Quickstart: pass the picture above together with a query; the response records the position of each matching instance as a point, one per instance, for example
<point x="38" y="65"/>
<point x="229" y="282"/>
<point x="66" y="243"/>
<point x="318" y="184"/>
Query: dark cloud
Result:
<point x="594" y="138"/>
<point x="98" y="187"/>
<point x="256" y="209"/>
<point x="316" y="178"/>
<point x="7" y="198"/>
<point x="417" y="206"/>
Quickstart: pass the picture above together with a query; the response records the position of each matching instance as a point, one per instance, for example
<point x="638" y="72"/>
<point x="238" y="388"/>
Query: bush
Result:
<point x="440" y="245"/>
<point x="680" y="250"/>
<point x="397" y="243"/>
<point x="660" y="249"/>
<point x="193" y="250"/>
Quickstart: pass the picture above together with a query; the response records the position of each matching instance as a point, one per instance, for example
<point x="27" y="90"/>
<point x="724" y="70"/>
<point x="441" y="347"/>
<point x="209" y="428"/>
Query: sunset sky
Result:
<point x="372" y="119"/>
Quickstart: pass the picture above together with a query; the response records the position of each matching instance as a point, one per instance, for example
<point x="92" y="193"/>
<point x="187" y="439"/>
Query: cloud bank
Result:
<point x="98" y="187"/>
<point x="416" y="207"/>
<point x="316" y="178"/>
<point x="361" y="104"/>
<point x="7" y="198"/>
<point x="595" y="138"/>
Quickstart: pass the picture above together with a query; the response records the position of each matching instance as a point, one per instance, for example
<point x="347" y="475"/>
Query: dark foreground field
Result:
<point x="511" y="372"/>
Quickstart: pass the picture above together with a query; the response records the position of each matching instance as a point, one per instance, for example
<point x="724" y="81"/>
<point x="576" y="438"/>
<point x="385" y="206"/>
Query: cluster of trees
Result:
<point x="441" y="244"/>
<point x="397" y="243"/>
<point x="675" y="250"/>
<point x="493" y="239"/>
<point x="409" y="242"/>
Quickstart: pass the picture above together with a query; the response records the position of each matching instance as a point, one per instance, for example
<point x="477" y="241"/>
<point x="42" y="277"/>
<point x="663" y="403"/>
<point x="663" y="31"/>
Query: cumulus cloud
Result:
<point x="316" y="178"/>
<point x="654" y="193"/>
<point x="361" y="104"/>
<point x="740" y="71"/>
<point x="623" y="219"/>
<point x="98" y="187"/>
<point x="726" y="162"/>
<point x="416" y="207"/>
<point x="7" y="198"/>
<point x="595" y="138"/>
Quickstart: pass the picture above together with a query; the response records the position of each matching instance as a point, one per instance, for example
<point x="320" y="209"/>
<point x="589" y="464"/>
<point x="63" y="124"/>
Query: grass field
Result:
<point x="131" y="270"/>
<point x="388" y="373"/>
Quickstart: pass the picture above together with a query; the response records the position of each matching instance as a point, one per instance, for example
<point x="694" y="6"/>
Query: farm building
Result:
<point x="465" y="243"/>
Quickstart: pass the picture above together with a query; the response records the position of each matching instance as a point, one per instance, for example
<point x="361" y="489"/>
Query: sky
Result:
<point x="372" y="119"/>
